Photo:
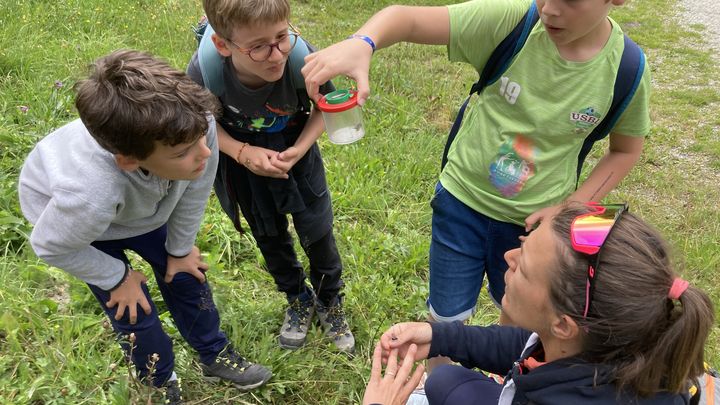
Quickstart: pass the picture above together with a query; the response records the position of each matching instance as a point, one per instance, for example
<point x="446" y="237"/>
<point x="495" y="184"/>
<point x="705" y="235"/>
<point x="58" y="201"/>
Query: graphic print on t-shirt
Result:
<point x="585" y="119"/>
<point x="273" y="120"/>
<point x="513" y="165"/>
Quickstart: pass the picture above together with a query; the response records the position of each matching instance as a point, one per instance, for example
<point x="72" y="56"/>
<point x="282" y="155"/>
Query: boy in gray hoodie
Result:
<point x="134" y="173"/>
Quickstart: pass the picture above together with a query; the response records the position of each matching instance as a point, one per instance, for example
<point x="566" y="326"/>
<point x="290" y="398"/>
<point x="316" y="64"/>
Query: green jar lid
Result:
<point x="338" y="96"/>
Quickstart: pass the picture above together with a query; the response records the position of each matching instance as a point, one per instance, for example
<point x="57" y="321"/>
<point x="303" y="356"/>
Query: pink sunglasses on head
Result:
<point x="588" y="233"/>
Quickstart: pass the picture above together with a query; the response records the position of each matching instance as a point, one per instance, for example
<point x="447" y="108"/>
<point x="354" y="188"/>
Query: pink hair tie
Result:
<point x="678" y="288"/>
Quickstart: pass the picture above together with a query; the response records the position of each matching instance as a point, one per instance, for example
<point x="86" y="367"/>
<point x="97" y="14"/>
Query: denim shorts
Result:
<point x="465" y="245"/>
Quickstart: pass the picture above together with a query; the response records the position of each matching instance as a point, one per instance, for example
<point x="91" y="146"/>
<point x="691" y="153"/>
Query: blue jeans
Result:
<point x="450" y="384"/>
<point x="465" y="246"/>
<point x="190" y="303"/>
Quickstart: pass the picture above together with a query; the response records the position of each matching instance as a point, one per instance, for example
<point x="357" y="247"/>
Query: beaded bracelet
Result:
<point x="237" y="158"/>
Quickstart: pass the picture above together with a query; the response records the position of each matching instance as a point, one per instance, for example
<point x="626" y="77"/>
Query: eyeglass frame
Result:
<point x="292" y="31"/>
<point x="593" y="252"/>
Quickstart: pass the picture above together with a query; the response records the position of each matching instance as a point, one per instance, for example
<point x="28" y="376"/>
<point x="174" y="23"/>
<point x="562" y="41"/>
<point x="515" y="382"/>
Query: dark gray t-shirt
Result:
<point x="268" y="109"/>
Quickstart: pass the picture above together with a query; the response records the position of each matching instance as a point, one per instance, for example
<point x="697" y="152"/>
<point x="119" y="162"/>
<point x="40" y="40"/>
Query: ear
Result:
<point x="565" y="328"/>
<point x="221" y="45"/>
<point x="617" y="2"/>
<point x="127" y="163"/>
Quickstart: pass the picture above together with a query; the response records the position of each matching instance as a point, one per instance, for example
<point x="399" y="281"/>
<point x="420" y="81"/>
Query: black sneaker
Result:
<point x="172" y="393"/>
<point x="297" y="321"/>
<point x="230" y="366"/>
<point x="332" y="319"/>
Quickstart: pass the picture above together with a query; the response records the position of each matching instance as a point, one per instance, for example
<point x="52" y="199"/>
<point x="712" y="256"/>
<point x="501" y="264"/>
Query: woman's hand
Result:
<point x="395" y="387"/>
<point x="403" y="335"/>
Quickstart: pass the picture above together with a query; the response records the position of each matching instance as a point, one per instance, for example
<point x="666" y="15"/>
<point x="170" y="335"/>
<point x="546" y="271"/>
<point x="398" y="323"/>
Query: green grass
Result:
<point x="54" y="348"/>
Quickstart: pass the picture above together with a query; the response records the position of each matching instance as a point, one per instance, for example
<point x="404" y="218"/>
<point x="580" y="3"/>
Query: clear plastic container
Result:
<point x="342" y="116"/>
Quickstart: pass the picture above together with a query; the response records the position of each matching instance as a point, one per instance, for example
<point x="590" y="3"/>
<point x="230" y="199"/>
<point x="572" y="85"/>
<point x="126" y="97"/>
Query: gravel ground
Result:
<point x="707" y="13"/>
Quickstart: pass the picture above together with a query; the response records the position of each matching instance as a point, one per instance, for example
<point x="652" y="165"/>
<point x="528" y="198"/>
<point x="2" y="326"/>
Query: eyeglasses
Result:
<point x="261" y="53"/>
<point x="588" y="233"/>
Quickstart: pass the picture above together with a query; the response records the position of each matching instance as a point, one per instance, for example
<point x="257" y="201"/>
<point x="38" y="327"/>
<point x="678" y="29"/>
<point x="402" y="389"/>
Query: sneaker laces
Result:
<point x="298" y="313"/>
<point x="232" y="359"/>
<point x="336" y="318"/>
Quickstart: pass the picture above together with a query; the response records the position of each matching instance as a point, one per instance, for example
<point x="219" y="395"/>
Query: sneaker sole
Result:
<point x="349" y="352"/>
<point x="290" y="346"/>
<point x="243" y="388"/>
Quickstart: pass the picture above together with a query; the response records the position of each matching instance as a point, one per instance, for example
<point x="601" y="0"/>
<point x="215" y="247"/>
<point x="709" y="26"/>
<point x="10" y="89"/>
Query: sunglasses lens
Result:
<point x="592" y="230"/>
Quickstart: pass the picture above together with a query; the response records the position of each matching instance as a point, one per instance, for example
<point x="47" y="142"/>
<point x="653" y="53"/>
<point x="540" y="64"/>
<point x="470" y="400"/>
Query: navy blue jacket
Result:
<point x="499" y="349"/>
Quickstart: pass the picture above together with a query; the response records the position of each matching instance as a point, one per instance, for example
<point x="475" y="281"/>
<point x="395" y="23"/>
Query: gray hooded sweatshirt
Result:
<point x="74" y="193"/>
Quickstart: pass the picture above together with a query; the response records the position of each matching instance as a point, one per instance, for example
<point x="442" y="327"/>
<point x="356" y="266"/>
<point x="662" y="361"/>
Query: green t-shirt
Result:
<point x="517" y="148"/>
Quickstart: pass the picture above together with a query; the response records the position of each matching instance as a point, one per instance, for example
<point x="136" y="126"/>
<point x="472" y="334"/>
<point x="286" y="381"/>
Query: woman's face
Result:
<point x="527" y="282"/>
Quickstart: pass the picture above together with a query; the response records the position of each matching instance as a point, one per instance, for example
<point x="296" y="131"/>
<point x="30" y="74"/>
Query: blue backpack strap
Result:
<point x="297" y="61"/>
<point x="503" y="54"/>
<point x="211" y="63"/>
<point x="496" y="65"/>
<point x="629" y="75"/>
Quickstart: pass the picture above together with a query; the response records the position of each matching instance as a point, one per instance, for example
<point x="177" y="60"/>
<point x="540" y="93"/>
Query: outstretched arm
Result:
<point x="621" y="156"/>
<point x="351" y="57"/>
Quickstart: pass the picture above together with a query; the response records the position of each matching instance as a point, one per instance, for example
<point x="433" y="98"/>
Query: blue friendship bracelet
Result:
<point x="364" y="38"/>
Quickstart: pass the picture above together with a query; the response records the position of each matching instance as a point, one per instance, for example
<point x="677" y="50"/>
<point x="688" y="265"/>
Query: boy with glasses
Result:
<point x="134" y="173"/>
<point x="271" y="166"/>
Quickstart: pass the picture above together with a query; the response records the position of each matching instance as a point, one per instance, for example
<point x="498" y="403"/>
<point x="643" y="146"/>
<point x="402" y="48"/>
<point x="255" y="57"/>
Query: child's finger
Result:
<point x="145" y="305"/>
<point x="120" y="312"/>
<point x="198" y="275"/>
<point x="133" y="314"/>
<point x="280" y="165"/>
<point x="311" y="83"/>
<point x="273" y="171"/>
<point x="363" y="85"/>
<point x="533" y="219"/>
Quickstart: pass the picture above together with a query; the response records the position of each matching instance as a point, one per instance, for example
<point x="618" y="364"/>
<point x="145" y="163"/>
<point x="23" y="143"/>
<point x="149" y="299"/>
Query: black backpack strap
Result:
<point x="496" y="65"/>
<point x="629" y="74"/>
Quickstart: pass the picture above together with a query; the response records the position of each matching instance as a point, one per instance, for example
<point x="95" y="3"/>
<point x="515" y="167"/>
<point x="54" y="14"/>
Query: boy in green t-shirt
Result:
<point x="515" y="155"/>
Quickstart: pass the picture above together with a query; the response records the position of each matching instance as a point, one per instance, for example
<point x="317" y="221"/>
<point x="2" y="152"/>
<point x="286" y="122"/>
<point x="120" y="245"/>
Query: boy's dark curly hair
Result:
<point x="131" y="100"/>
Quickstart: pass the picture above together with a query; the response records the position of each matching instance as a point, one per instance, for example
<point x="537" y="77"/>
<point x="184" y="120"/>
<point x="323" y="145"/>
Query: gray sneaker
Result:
<point x="230" y="366"/>
<point x="296" y="324"/>
<point x="332" y="319"/>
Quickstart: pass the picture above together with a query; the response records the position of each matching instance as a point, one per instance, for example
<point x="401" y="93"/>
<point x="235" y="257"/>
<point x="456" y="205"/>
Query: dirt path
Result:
<point x="707" y="13"/>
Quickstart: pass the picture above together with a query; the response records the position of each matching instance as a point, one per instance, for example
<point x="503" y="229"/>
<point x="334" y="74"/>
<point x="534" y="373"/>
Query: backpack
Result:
<point x="630" y="71"/>
<point x="211" y="62"/>
<point x="706" y="390"/>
